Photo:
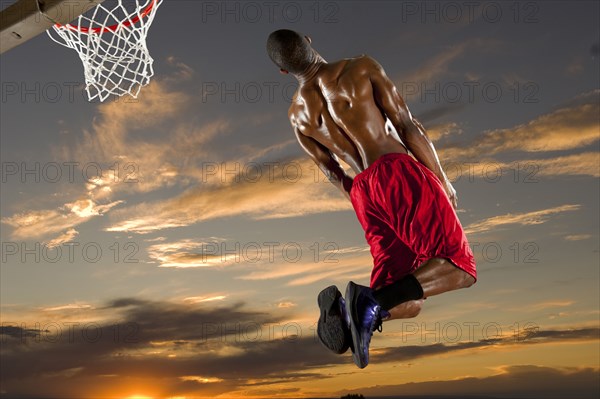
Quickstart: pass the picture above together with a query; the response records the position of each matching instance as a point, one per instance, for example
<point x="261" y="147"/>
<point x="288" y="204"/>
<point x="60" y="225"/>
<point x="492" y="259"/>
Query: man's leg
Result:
<point x="439" y="275"/>
<point x="433" y="228"/>
<point x="436" y="276"/>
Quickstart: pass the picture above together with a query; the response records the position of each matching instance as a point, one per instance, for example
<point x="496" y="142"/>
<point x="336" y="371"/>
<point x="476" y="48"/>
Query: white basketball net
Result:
<point x="111" y="42"/>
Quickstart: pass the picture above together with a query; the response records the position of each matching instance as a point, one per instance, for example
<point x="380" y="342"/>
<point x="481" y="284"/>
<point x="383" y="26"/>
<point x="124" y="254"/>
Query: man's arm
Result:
<point x="411" y="132"/>
<point x="326" y="162"/>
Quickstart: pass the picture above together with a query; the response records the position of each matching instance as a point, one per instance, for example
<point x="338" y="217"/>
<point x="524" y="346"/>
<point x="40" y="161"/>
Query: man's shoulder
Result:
<point x="363" y="59"/>
<point x="362" y="64"/>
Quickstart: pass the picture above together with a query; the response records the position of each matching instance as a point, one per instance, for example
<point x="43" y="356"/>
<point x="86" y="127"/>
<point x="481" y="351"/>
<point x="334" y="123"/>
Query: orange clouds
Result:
<point x="563" y="129"/>
<point x="523" y="219"/>
<point x="571" y="127"/>
<point x="283" y="196"/>
<point x="35" y="224"/>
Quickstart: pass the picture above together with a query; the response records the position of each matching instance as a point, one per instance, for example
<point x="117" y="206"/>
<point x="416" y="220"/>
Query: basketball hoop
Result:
<point x="111" y="43"/>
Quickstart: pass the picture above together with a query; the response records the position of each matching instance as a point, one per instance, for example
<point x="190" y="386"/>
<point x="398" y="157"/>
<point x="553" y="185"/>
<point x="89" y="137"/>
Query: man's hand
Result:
<point x="451" y="192"/>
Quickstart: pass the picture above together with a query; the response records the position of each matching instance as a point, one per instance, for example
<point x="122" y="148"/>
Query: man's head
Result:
<point x="290" y="51"/>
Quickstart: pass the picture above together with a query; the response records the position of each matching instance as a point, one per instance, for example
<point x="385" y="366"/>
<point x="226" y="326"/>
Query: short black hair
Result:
<point x="289" y="50"/>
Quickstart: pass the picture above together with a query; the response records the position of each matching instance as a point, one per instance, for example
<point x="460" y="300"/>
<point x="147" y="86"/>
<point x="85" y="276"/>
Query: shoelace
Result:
<point x="378" y="324"/>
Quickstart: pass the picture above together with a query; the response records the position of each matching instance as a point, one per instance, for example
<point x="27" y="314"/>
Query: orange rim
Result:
<point x="114" y="27"/>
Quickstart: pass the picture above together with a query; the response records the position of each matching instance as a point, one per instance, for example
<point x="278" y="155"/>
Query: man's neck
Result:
<point x="311" y="71"/>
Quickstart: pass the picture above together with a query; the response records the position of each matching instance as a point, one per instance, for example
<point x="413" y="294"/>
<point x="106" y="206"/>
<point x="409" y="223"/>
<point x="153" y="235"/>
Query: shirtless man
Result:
<point x="406" y="206"/>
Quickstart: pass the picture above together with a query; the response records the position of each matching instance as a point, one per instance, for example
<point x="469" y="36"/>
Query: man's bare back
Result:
<point x="336" y="108"/>
<point x="339" y="112"/>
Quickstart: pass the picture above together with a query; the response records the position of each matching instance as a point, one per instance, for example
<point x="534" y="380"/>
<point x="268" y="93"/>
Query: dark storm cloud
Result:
<point x="406" y="353"/>
<point x="583" y="333"/>
<point x="523" y="381"/>
<point x="232" y="345"/>
<point x="18" y="332"/>
<point x="528" y="336"/>
<point x="124" y="302"/>
<point x="192" y="349"/>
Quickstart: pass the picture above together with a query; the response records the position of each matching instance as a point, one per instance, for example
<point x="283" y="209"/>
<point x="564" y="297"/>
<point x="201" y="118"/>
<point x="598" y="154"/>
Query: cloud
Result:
<point x="183" y="72"/>
<point x="255" y="154"/>
<point x="523" y="219"/>
<point x="340" y="264"/>
<point x="438" y="66"/>
<point x="574" y="125"/>
<point x="67" y="236"/>
<point x="438" y="132"/>
<point x="350" y="250"/>
<point x="578" y="237"/>
<point x="189" y="253"/>
<point x="139" y="146"/>
<point x="562" y="129"/>
<point x="177" y="348"/>
<point x="34" y="224"/>
<point x="185" y="348"/>
<point x="147" y="144"/>
<point x="205" y="298"/>
<point x="148" y="141"/>
<point x="202" y="380"/>
<point x="577" y="164"/>
<point x="524" y="170"/>
<point x="264" y="194"/>
<point x="70" y="306"/>
<point x="535" y="307"/>
<point x="286" y="304"/>
<point x="529" y="336"/>
<point x="566" y="128"/>
<point x="127" y="163"/>
<point x="265" y="262"/>
<point x="512" y="381"/>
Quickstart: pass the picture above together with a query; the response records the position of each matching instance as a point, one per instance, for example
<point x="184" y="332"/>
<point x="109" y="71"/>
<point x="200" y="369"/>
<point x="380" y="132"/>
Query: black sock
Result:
<point x="406" y="289"/>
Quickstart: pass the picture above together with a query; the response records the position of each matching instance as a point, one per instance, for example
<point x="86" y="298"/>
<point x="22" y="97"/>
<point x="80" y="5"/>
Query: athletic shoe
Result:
<point x="366" y="316"/>
<point x="333" y="328"/>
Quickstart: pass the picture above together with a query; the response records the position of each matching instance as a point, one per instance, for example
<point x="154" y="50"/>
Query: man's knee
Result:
<point x="467" y="280"/>
<point x="407" y="310"/>
<point x="415" y="308"/>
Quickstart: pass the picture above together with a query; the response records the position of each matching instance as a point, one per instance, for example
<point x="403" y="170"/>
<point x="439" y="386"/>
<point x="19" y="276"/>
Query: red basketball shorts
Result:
<point x="407" y="218"/>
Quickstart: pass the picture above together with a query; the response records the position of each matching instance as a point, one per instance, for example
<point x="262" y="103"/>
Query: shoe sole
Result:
<point x="330" y="328"/>
<point x="351" y="299"/>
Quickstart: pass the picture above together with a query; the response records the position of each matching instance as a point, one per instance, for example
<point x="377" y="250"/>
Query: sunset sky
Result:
<point x="173" y="246"/>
